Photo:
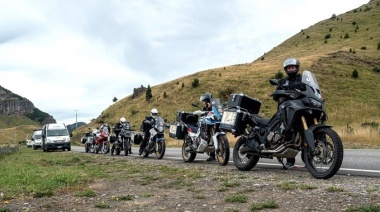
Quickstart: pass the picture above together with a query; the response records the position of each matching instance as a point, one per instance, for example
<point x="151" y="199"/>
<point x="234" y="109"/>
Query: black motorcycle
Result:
<point x="299" y="125"/>
<point x="123" y="141"/>
<point x="156" y="143"/>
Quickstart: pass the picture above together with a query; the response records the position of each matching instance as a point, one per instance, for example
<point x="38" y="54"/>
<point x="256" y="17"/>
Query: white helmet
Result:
<point x="122" y="120"/>
<point x="154" y="112"/>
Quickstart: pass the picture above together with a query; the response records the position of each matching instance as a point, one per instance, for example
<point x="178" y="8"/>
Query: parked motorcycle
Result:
<point x="89" y="140"/>
<point x="123" y="141"/>
<point x="102" y="143"/>
<point x="156" y="143"/>
<point x="299" y="125"/>
<point x="201" y="134"/>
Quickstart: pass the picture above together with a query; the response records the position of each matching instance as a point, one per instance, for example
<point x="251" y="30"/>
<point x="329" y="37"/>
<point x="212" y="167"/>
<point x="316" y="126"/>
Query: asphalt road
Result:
<point x="358" y="162"/>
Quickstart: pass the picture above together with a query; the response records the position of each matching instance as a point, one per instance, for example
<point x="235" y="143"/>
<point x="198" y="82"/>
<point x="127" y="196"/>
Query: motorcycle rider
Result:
<point x="291" y="67"/>
<point x="206" y="101"/>
<point x="146" y="125"/>
<point x="117" y="130"/>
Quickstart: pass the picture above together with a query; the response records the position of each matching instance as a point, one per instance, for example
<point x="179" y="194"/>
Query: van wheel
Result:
<point x="69" y="149"/>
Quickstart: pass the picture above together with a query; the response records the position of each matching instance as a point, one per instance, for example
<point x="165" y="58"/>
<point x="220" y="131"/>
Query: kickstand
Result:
<point x="281" y="160"/>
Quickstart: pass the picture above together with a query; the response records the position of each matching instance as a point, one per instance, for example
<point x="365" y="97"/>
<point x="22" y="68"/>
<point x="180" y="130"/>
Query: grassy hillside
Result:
<point x="333" y="49"/>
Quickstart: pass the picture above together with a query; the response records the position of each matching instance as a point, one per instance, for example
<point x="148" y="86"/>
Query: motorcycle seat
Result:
<point x="261" y="120"/>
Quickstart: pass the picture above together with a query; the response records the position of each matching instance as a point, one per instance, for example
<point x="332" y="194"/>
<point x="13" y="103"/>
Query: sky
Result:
<point x="72" y="57"/>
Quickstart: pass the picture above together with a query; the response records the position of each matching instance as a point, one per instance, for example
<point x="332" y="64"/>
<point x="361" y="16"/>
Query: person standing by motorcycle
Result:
<point x="146" y="125"/>
<point x="291" y="67"/>
<point x="117" y="130"/>
<point x="206" y="101"/>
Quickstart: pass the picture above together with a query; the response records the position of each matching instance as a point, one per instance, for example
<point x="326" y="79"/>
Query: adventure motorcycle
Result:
<point x="88" y="141"/>
<point x="123" y="141"/>
<point x="299" y="125"/>
<point x="202" y="134"/>
<point x="156" y="143"/>
<point x="102" y="143"/>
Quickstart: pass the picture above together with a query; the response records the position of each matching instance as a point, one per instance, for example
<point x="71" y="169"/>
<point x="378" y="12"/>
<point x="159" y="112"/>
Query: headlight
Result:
<point x="67" y="140"/>
<point x="160" y="128"/>
<point x="49" y="141"/>
<point x="315" y="103"/>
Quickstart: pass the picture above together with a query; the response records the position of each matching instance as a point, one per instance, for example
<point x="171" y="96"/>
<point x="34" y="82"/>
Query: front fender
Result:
<point x="215" y="138"/>
<point x="309" y="135"/>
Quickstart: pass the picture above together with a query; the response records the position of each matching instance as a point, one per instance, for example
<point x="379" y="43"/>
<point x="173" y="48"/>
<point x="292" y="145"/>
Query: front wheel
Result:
<point x="222" y="153"/>
<point x="188" y="157"/>
<point x="328" y="155"/>
<point x="243" y="161"/>
<point x="160" y="149"/>
<point x="105" y="148"/>
<point x="125" y="146"/>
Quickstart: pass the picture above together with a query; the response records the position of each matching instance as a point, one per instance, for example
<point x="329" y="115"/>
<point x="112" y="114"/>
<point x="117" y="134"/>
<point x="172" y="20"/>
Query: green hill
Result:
<point x="334" y="49"/>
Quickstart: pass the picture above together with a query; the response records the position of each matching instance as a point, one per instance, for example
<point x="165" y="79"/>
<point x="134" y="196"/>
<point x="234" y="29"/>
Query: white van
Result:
<point x="36" y="138"/>
<point x="55" y="136"/>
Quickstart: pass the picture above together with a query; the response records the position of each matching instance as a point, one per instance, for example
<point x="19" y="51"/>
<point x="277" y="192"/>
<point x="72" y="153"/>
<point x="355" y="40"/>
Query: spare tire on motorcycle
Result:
<point x="137" y="138"/>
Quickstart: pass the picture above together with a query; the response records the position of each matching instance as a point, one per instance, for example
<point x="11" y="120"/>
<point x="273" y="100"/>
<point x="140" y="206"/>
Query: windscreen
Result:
<point x="58" y="132"/>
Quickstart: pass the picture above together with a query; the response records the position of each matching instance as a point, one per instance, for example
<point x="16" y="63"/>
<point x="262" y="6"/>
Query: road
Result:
<point x="358" y="162"/>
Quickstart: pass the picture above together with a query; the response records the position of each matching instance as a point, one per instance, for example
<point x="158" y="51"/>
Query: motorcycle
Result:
<point x="88" y="141"/>
<point x="156" y="143"/>
<point x="102" y="143"/>
<point x="203" y="135"/>
<point x="298" y="126"/>
<point x="123" y="141"/>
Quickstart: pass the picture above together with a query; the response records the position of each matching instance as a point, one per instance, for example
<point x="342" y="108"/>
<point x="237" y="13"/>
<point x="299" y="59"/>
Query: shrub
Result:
<point x="327" y="36"/>
<point x="346" y="36"/>
<point x="148" y="94"/>
<point x="354" y="23"/>
<point x="262" y="58"/>
<point x="363" y="48"/>
<point x="279" y="75"/>
<point x="355" y="74"/>
<point x="165" y="95"/>
<point x="378" y="46"/>
<point x="224" y="94"/>
<point x="376" y="70"/>
<point x="195" y="83"/>
<point x="307" y="37"/>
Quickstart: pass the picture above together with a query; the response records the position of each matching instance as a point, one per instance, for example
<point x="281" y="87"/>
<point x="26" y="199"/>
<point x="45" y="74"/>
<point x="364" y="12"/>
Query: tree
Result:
<point x="115" y="99"/>
<point x="148" y="94"/>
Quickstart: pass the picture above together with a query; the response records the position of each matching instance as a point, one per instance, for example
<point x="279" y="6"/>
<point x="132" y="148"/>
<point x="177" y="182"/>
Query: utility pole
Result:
<point x="76" y="119"/>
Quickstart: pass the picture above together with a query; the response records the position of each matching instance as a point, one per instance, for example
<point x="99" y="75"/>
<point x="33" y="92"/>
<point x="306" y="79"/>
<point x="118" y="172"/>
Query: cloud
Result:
<point x="79" y="55"/>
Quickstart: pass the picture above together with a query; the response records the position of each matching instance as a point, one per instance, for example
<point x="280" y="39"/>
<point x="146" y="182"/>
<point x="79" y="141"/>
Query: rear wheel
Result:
<point x="244" y="161"/>
<point x="328" y="155"/>
<point x="188" y="157"/>
<point x="222" y="153"/>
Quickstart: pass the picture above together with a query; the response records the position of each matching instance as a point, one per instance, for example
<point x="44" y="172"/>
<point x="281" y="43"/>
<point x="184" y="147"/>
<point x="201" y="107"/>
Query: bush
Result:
<point x="378" y="46"/>
<point x="363" y="48"/>
<point x="376" y="70"/>
<point x="195" y="83"/>
<point x="327" y="36"/>
<point x="354" y="23"/>
<point x="279" y="75"/>
<point x="355" y="74"/>
<point x="346" y="36"/>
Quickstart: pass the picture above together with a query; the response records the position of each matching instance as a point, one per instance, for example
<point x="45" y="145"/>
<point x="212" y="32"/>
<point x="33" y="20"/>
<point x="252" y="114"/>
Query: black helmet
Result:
<point x="291" y="62"/>
<point x="205" y="97"/>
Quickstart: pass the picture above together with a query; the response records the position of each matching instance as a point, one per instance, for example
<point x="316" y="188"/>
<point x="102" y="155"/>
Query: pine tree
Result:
<point x="148" y="94"/>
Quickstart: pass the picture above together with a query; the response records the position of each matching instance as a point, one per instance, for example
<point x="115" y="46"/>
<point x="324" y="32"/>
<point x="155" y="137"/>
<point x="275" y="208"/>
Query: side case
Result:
<point x="243" y="101"/>
<point x="232" y="121"/>
<point x="177" y="131"/>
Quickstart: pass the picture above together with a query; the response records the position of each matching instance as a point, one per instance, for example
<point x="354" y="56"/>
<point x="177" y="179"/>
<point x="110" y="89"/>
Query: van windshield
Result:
<point x="37" y="136"/>
<point x="58" y="132"/>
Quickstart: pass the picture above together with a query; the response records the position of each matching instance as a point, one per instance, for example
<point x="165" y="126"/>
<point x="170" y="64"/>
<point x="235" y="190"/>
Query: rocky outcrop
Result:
<point x="13" y="104"/>
<point x="138" y="91"/>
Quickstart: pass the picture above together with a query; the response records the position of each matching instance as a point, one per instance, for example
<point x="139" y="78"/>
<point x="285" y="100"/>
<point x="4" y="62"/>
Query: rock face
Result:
<point x="13" y="104"/>
<point x="138" y="91"/>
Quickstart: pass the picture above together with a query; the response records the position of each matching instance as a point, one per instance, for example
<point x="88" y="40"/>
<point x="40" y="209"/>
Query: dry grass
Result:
<point x="348" y="100"/>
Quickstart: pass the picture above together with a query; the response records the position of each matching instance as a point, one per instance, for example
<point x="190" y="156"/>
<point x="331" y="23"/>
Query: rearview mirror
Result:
<point x="194" y="104"/>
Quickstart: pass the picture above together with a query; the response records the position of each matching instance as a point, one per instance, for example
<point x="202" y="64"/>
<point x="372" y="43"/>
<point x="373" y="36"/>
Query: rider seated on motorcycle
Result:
<point x="146" y="125"/>
<point x="117" y="130"/>
<point x="291" y="67"/>
<point x="104" y="133"/>
<point x="206" y="100"/>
